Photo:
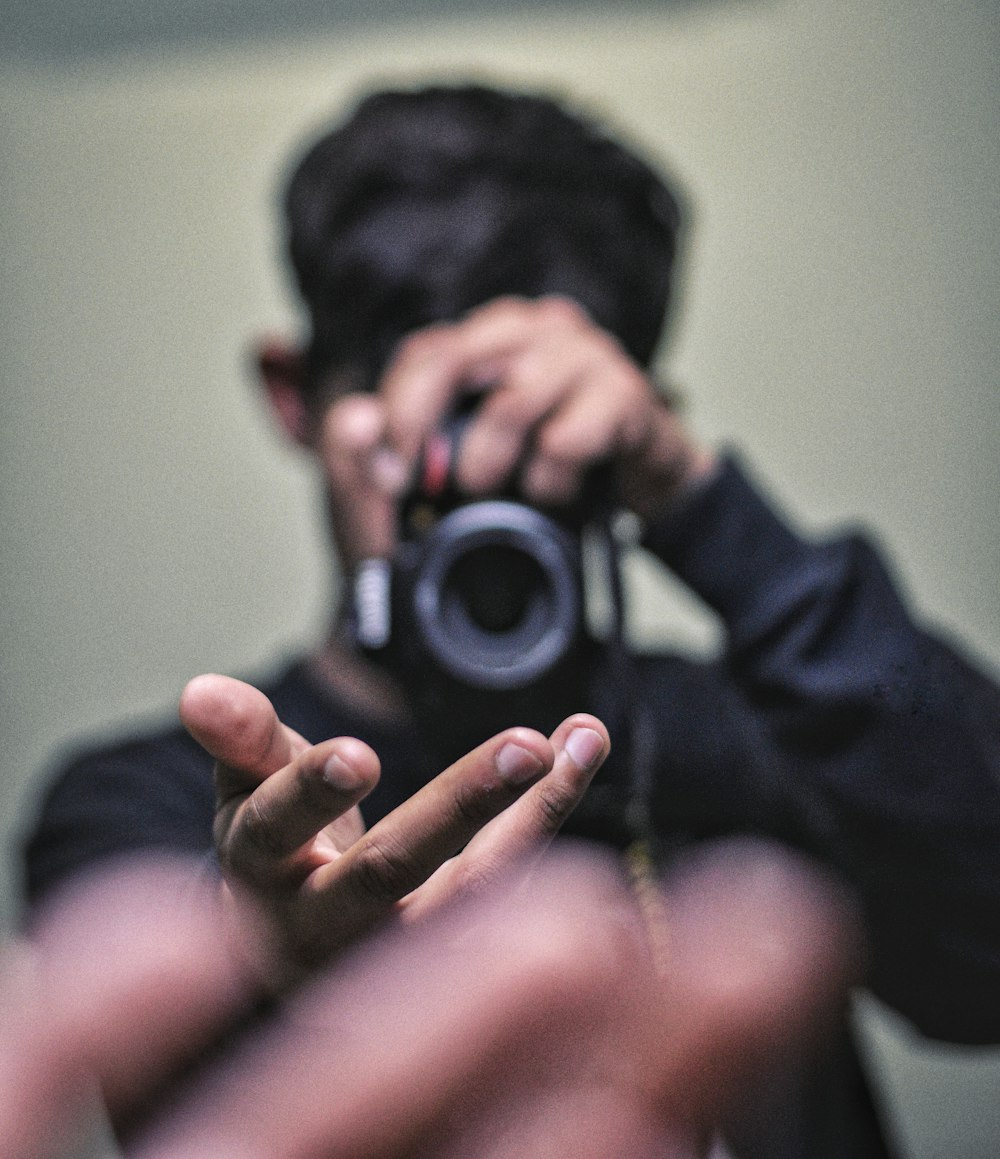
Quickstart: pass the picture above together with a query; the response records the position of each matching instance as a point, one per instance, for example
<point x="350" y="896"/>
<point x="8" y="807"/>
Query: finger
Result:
<point x="762" y="950"/>
<point x="568" y="398"/>
<point x="366" y="475"/>
<point x="529" y="387"/>
<point x="406" y="847"/>
<point x="428" y="372"/>
<point x="131" y="979"/>
<point x="542" y="369"/>
<point x="569" y="1117"/>
<point x="581" y="745"/>
<point x="292" y="806"/>
<point x="519" y="835"/>
<point x="238" y="726"/>
<point x="432" y="1020"/>
<point x="435" y="365"/>
<point x="605" y="416"/>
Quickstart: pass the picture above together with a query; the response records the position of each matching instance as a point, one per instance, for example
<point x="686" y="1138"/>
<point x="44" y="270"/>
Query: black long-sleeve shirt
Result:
<point x="831" y="722"/>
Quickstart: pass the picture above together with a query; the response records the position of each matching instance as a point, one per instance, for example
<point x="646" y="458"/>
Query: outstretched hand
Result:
<point x="528" y="1024"/>
<point x="291" y="840"/>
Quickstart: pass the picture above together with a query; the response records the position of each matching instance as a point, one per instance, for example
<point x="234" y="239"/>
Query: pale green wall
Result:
<point x="838" y="322"/>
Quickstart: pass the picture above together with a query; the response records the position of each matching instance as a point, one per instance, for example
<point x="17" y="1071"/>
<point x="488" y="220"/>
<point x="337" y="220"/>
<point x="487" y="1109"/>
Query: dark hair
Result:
<point x="426" y="203"/>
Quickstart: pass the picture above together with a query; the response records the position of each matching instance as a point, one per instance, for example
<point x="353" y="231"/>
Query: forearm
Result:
<point x="810" y="623"/>
<point x="865" y="740"/>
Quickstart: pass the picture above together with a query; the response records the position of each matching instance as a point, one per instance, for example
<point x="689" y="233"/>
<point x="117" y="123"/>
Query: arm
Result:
<point x="873" y="743"/>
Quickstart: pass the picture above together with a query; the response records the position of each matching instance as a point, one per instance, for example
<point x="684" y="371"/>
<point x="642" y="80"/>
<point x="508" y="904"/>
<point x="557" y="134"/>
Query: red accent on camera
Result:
<point x="437" y="465"/>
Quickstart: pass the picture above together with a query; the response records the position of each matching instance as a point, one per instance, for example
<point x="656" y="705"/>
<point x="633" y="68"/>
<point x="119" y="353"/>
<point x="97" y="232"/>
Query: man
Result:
<point x="463" y="243"/>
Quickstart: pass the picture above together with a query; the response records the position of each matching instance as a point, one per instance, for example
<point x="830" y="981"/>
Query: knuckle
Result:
<point x="415" y="342"/>
<point x="502" y="304"/>
<point x="553" y="804"/>
<point x="385" y="873"/>
<point x="511" y="410"/>
<point x="560" y="309"/>
<point x="354" y="423"/>
<point x="478" y="877"/>
<point x="474" y="807"/>
<point x="255" y="834"/>
<point x="418" y="345"/>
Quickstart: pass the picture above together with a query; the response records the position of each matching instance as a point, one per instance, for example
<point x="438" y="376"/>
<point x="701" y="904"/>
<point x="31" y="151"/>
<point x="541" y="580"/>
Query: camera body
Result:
<point x="488" y="592"/>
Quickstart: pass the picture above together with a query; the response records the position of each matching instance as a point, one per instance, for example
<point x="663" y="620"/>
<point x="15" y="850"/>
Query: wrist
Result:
<point x="670" y="465"/>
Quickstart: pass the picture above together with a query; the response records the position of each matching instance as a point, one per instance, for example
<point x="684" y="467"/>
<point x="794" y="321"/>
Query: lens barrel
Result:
<point x="497" y="593"/>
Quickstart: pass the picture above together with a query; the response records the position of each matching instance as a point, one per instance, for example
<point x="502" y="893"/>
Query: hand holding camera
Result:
<point x="514" y="429"/>
<point x="560" y="395"/>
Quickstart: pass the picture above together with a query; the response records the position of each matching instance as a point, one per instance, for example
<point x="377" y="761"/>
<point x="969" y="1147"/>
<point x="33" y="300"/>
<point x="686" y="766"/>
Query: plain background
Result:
<point x="837" y="323"/>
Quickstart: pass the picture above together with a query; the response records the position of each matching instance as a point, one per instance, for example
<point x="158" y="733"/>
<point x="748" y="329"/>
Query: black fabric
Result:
<point x="831" y="723"/>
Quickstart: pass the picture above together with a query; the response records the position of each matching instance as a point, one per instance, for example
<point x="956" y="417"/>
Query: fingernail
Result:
<point x="339" y="774"/>
<point x="584" y="746"/>
<point x="516" y="764"/>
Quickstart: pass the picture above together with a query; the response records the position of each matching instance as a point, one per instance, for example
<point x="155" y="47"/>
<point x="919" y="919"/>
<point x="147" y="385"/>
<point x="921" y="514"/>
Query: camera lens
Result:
<point x="495" y="587"/>
<point x="497" y="594"/>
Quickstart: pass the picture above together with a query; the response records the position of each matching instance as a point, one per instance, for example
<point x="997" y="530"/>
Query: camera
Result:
<point x="487" y="591"/>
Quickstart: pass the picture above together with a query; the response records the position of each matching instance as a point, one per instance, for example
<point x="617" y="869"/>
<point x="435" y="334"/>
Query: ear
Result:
<point x="281" y="367"/>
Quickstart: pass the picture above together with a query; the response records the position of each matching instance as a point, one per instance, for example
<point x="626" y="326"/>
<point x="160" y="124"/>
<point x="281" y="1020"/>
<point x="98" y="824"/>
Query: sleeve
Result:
<point x="883" y="743"/>
<point x="141" y="795"/>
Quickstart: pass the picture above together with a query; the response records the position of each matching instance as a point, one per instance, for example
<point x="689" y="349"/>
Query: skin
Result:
<point x="519" y="1022"/>
<point x="561" y="395"/>
<point x="291" y="840"/>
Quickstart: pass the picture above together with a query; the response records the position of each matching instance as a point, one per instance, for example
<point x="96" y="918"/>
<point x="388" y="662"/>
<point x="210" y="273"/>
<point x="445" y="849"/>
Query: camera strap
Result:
<point x="629" y="711"/>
